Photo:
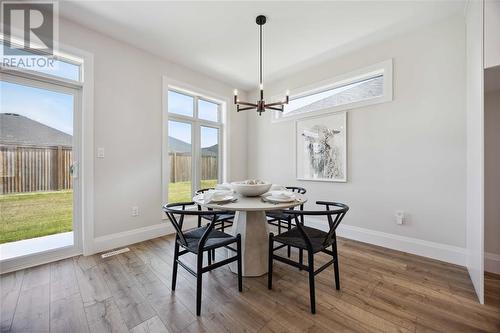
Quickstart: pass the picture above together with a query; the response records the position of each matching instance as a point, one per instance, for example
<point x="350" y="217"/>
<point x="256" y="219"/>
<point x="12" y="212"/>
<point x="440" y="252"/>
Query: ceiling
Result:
<point x="220" y="39"/>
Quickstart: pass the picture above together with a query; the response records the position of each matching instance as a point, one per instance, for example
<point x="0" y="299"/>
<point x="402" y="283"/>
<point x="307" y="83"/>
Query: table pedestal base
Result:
<point x="254" y="231"/>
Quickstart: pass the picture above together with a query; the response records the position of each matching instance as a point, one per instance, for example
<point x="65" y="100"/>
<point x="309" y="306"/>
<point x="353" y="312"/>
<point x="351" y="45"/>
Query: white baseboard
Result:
<point x="438" y="251"/>
<point x="452" y="254"/>
<point x="109" y="242"/>
<point x="492" y="262"/>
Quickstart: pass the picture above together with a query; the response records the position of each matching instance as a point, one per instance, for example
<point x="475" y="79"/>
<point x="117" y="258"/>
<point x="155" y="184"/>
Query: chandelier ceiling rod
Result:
<point x="261" y="105"/>
<point x="261" y="83"/>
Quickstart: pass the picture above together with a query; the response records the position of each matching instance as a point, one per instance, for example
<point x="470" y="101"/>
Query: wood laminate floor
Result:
<point x="381" y="291"/>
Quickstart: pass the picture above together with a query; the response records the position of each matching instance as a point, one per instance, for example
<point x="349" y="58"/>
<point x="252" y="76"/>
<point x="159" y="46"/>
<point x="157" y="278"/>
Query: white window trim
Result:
<point x="221" y="124"/>
<point x="384" y="67"/>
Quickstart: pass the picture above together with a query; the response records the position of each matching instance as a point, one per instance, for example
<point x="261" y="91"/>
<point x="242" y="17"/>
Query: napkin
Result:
<point x="224" y="187"/>
<point x="282" y="194"/>
<point x="211" y="195"/>
<point x="276" y="187"/>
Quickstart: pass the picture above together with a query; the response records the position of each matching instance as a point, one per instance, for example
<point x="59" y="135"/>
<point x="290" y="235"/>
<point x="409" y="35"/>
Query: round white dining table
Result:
<point x="251" y="223"/>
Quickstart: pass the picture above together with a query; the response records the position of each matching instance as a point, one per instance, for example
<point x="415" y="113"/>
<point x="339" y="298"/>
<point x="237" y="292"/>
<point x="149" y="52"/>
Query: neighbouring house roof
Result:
<point x="362" y="91"/>
<point x="21" y="130"/>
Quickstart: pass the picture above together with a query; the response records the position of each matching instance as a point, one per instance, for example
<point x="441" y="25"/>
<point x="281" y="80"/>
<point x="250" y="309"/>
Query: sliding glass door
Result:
<point x="38" y="167"/>
<point x="194" y="149"/>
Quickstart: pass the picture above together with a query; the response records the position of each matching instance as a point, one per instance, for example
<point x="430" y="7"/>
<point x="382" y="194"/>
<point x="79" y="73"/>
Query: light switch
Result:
<point x="135" y="211"/>
<point x="400" y="217"/>
<point x="100" y="152"/>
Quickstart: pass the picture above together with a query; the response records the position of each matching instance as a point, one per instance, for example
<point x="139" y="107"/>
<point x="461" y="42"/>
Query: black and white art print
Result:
<point x="321" y="150"/>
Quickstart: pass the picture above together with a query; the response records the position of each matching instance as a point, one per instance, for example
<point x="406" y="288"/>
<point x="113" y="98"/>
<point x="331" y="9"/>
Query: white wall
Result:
<point x="491" y="35"/>
<point x="408" y="154"/>
<point x="128" y="124"/>
<point x="492" y="180"/>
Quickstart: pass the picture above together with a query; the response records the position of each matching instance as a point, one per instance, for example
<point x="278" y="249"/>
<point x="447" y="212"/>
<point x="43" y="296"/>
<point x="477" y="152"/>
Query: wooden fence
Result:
<point x="180" y="167"/>
<point x="34" y="168"/>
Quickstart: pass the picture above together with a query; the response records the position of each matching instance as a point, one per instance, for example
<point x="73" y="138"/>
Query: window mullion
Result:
<point x="196" y="147"/>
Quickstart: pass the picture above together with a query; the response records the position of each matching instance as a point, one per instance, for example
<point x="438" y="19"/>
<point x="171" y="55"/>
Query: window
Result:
<point x="59" y="66"/>
<point x="368" y="86"/>
<point x="180" y="160"/>
<point x="208" y="110"/>
<point x="194" y="130"/>
<point x="180" y="104"/>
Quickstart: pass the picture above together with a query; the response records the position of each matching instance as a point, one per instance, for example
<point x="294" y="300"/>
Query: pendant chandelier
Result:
<point x="261" y="105"/>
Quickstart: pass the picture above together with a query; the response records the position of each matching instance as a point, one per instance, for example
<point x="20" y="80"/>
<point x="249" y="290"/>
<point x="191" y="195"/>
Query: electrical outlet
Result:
<point x="100" y="152"/>
<point x="400" y="217"/>
<point x="135" y="211"/>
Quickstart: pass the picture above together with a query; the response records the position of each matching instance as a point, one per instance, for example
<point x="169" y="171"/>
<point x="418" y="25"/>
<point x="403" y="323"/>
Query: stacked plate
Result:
<point x="280" y="196"/>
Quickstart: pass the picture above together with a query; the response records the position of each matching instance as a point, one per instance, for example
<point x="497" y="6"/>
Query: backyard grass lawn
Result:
<point x="181" y="191"/>
<point x="30" y="215"/>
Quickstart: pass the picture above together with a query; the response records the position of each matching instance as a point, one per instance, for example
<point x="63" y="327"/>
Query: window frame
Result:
<point x="384" y="68"/>
<point x="196" y="124"/>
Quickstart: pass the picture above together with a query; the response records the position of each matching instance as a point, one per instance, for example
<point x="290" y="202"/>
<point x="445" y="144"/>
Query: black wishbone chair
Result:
<point x="223" y="220"/>
<point x="311" y="240"/>
<point x="198" y="241"/>
<point x="283" y="220"/>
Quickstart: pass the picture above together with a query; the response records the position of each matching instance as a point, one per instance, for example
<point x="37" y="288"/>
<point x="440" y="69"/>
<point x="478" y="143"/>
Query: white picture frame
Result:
<point x="321" y="148"/>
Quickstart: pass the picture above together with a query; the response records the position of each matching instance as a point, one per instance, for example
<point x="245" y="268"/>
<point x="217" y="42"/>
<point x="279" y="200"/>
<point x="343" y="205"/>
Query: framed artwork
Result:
<point x="321" y="148"/>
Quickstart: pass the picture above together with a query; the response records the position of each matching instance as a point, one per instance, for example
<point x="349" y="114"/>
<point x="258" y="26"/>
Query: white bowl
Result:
<point x="248" y="190"/>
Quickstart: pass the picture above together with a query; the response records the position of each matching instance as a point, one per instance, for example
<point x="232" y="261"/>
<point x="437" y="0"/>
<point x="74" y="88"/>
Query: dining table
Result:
<point x="251" y="223"/>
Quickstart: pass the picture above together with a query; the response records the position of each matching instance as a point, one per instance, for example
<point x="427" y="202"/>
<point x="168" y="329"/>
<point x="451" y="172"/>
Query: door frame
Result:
<point x="474" y="14"/>
<point x="84" y="242"/>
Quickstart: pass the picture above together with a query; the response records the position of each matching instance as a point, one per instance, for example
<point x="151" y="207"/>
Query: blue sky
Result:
<point x="63" y="69"/>
<point x="59" y="68"/>
<point x="51" y="108"/>
<point x="181" y="131"/>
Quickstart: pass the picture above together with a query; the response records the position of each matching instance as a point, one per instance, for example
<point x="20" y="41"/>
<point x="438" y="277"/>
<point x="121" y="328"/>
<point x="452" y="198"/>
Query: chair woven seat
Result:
<point x="223" y="217"/>
<point x="294" y="238"/>
<point x="215" y="239"/>
<point x="278" y="215"/>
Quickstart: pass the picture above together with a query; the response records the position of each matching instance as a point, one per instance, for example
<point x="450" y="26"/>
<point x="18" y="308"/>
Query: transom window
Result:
<point x="194" y="130"/>
<point x="58" y="66"/>
<point x="360" y="88"/>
